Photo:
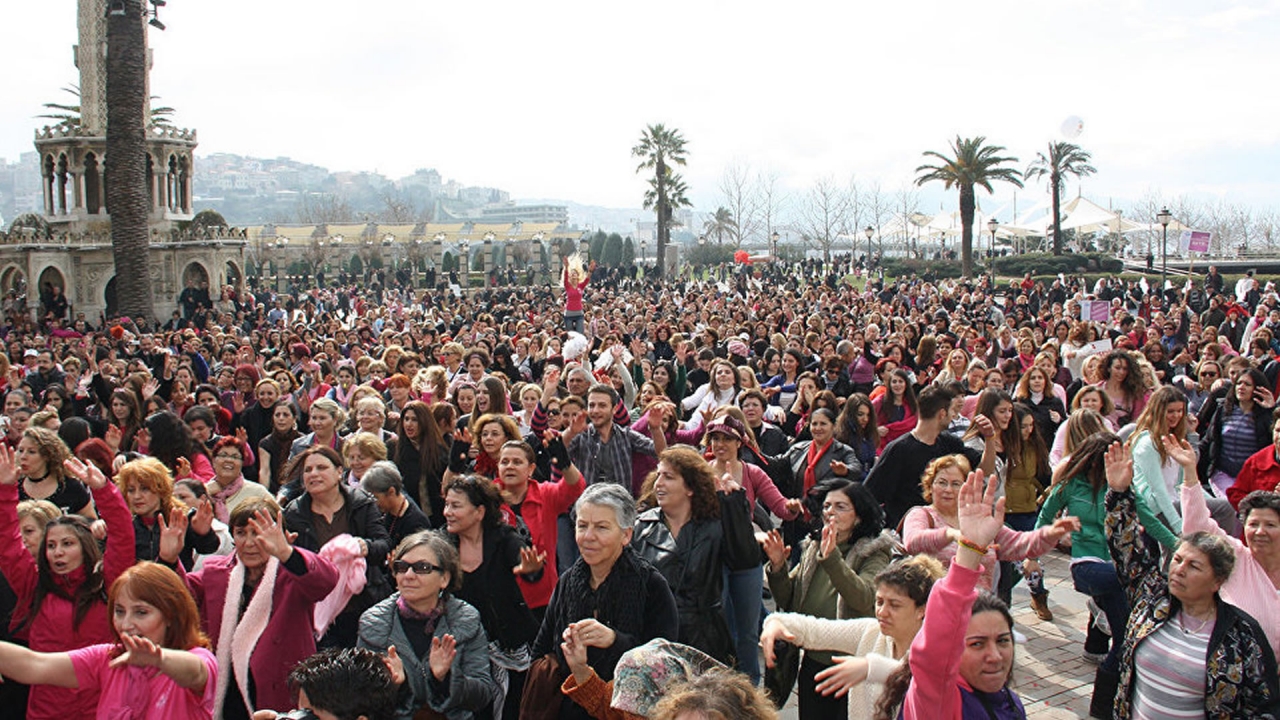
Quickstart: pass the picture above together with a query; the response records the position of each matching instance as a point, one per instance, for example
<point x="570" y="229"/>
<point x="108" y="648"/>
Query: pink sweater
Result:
<point x="935" y="654"/>
<point x="924" y="531"/>
<point x="142" y="692"/>
<point x="1248" y="588"/>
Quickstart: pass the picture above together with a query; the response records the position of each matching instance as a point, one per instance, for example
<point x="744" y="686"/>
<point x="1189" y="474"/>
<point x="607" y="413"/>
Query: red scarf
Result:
<point x="486" y="465"/>
<point x="811" y="462"/>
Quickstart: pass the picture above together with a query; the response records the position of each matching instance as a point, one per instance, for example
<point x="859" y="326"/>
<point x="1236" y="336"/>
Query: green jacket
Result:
<point x="1078" y="498"/>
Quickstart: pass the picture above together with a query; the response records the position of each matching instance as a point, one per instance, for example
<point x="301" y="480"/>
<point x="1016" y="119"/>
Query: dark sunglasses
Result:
<point x="553" y="413"/>
<point x="420" y="568"/>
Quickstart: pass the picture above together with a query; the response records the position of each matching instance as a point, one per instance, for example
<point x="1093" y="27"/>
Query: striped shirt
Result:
<point x="1169" y="671"/>
<point x="1239" y="441"/>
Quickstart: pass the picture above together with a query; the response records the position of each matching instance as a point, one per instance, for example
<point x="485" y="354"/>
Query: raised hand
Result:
<point x="847" y="672"/>
<point x="1180" y="450"/>
<point x="149" y="388"/>
<point x="776" y="550"/>
<point x="202" y="522"/>
<point x="979" y="513"/>
<point x="1119" y="465"/>
<point x="184" y="468"/>
<point x="8" y="470"/>
<point x="839" y="468"/>
<point x="238" y="403"/>
<point x="531" y="561"/>
<point x="726" y="484"/>
<point x="87" y="473"/>
<point x="828" y="544"/>
<point x="138" y="652"/>
<point x="113" y="438"/>
<point x="272" y="536"/>
<point x="985" y="427"/>
<point x="443" y="651"/>
<point x="395" y="665"/>
<point x="773" y="631"/>
<point x="794" y="506"/>
<point x="173" y="535"/>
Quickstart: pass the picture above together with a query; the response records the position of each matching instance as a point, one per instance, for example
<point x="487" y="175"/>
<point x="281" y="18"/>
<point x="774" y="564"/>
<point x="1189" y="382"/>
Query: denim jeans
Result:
<point x="1099" y="581"/>
<point x="742" y="605"/>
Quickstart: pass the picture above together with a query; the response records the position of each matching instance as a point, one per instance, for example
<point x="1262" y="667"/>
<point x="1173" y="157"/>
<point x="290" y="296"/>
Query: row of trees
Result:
<point x="831" y="210"/>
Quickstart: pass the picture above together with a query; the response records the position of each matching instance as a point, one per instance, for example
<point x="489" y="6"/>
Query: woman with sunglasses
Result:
<point x="437" y="637"/>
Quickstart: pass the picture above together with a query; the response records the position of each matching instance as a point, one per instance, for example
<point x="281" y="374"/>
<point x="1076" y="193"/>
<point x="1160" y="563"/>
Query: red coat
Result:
<point x="287" y="639"/>
<point x="1259" y="472"/>
<point x="53" y="629"/>
<point x="543" y="503"/>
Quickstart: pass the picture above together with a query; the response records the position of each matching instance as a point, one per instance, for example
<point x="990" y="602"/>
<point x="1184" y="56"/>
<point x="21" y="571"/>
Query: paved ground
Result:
<point x="1054" y="683"/>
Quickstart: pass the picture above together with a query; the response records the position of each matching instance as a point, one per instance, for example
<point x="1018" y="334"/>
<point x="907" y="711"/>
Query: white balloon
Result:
<point x="1072" y="127"/>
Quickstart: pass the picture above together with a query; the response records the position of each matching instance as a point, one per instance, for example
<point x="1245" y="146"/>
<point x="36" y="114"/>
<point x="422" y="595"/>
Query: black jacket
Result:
<point x="1211" y="438"/>
<point x="146" y="542"/>
<point x="365" y="521"/>
<point x="492" y="589"/>
<point x="693" y="562"/>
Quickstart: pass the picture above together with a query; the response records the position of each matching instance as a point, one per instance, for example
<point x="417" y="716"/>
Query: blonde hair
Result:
<point x="577" y="267"/>
<point x="937" y="466"/>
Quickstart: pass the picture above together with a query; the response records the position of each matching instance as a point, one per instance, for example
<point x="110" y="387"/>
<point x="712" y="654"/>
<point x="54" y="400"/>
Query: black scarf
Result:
<point x="620" y="600"/>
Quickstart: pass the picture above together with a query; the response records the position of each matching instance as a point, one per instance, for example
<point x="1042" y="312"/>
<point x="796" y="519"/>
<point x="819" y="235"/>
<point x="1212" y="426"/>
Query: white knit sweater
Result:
<point x="860" y="637"/>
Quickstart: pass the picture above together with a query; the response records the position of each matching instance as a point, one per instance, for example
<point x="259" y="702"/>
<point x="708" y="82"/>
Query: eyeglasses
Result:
<point x="1208" y="373"/>
<point x="225" y="456"/>
<point x="837" y="507"/>
<point x="945" y="484"/>
<point x="420" y="568"/>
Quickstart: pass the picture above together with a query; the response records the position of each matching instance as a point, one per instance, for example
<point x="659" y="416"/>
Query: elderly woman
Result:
<point x="492" y="556"/>
<point x="229" y="488"/>
<point x="371" y="417"/>
<point x="699" y="525"/>
<point x="437" y="637"/>
<point x="328" y="509"/>
<point x="1186" y="650"/>
<point x="934" y="529"/>
<point x="835" y="577"/>
<point x="400" y="515"/>
<point x="612" y="599"/>
<point x="360" y="452"/>
<point x="257" y="607"/>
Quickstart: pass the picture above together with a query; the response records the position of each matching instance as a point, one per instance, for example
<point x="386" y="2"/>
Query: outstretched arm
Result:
<point x="35" y="668"/>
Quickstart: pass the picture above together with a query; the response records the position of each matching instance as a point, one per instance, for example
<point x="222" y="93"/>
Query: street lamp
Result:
<point x="868" y="231"/>
<point x="992" y="225"/>
<point x="1164" y="217"/>
<point x="644" y="250"/>
<point x="775" y="237"/>
<point x="702" y="240"/>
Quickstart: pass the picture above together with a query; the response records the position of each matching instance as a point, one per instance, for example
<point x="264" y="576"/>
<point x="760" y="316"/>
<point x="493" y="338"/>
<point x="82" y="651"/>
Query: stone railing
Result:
<point x="29" y="236"/>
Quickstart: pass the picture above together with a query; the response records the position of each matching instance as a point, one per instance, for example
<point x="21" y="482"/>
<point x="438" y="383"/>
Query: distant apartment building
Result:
<point x="512" y="213"/>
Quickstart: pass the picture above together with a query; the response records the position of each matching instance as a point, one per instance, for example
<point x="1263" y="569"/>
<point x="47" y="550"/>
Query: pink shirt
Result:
<point x="124" y="692"/>
<point x="925" y="531"/>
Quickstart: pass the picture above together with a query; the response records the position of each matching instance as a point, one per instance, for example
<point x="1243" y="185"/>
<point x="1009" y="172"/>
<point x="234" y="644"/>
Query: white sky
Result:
<point x="546" y="99"/>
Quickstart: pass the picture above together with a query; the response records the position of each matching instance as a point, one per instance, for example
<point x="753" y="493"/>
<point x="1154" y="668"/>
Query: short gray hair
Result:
<point x="440" y="546"/>
<point x="381" y="477"/>
<point x="610" y="495"/>
<point x="1222" y="559"/>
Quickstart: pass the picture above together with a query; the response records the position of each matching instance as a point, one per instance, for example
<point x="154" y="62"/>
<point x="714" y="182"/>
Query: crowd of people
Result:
<point x="574" y="501"/>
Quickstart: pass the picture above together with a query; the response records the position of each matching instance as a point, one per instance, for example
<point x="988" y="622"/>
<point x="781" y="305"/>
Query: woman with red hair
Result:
<point x="155" y="625"/>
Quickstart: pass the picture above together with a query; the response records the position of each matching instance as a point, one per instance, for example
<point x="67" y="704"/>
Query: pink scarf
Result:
<point x="221" y="497"/>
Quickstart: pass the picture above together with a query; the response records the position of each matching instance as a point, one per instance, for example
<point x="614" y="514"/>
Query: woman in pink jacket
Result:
<point x="961" y="661"/>
<point x="575" y="280"/>
<point x="60" y="593"/>
<point x="257" y="607"/>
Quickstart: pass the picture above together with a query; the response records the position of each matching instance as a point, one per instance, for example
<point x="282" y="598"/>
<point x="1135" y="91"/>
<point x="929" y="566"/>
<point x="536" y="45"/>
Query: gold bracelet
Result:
<point x="980" y="549"/>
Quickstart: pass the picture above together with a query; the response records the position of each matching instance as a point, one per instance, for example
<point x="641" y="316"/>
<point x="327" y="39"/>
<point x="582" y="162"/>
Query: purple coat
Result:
<point x="287" y="638"/>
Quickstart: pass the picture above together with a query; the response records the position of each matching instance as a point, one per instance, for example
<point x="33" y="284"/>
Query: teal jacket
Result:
<point x="1079" y="499"/>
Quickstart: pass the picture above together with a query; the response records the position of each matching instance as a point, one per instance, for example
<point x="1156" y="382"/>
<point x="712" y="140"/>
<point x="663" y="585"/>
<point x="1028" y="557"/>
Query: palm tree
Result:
<point x="660" y="148"/>
<point x="69" y="115"/>
<point x="1064" y="159"/>
<point x="972" y="164"/>
<point x="720" y="224"/>
<point x="126" y="146"/>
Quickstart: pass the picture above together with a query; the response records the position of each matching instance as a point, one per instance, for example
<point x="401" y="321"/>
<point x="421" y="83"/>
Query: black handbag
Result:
<point x="779" y="679"/>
